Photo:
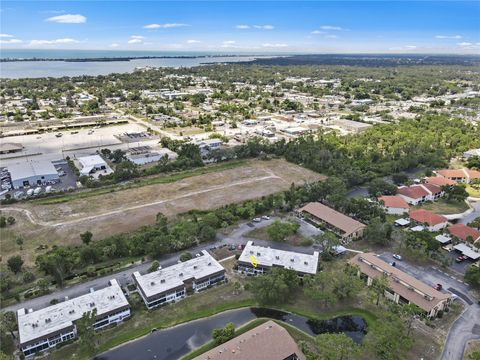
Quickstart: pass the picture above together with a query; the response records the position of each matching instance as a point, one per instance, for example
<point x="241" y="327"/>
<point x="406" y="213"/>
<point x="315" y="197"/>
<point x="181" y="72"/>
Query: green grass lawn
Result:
<point x="473" y="192"/>
<point x="443" y="206"/>
<point x="157" y="179"/>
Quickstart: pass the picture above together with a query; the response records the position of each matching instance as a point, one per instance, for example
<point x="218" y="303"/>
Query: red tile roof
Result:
<point x="434" y="189"/>
<point x="452" y="173"/>
<point x="413" y="192"/>
<point x="462" y="232"/>
<point x="439" y="181"/>
<point x="394" y="202"/>
<point x="426" y="217"/>
<point x="459" y="173"/>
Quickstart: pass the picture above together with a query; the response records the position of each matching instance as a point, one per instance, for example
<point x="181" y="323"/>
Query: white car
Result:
<point x="257" y="220"/>
<point x="396" y="256"/>
<point x="265" y="217"/>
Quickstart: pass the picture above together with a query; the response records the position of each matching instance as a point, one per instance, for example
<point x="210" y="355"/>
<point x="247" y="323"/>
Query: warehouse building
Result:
<point x="258" y="259"/>
<point x="43" y="329"/>
<point x="32" y="173"/>
<point x="172" y="283"/>
<point x="403" y="288"/>
<point x="91" y="164"/>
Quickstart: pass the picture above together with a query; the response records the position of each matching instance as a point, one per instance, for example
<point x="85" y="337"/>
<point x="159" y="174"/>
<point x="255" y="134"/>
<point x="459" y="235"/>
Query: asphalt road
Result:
<point x="466" y="327"/>
<point x="124" y="277"/>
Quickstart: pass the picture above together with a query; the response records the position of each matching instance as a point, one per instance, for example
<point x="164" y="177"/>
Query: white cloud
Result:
<point x="68" y="19"/>
<point x="136" y="39"/>
<point x="6" y="36"/>
<point x="164" y="26"/>
<point x="448" y="37"/>
<point x="403" y="48"/>
<point x="193" y="41"/>
<point x="54" y="42"/>
<point x="114" y="45"/>
<point x="11" y="41"/>
<point x="229" y="44"/>
<point x="464" y="44"/>
<point x="243" y="27"/>
<point x="264" y="27"/>
<point x="318" y="32"/>
<point x="329" y="27"/>
<point x="274" y="45"/>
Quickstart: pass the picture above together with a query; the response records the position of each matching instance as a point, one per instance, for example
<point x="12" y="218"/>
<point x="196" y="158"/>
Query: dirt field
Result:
<point x="129" y="209"/>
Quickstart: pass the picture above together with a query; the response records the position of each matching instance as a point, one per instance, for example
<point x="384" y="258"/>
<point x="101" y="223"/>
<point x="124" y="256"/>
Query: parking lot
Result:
<point x="458" y="266"/>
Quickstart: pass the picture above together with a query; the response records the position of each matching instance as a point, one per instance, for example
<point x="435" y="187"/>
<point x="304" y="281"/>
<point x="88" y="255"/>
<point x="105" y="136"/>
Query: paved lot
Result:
<point x="49" y="147"/>
<point x="458" y="267"/>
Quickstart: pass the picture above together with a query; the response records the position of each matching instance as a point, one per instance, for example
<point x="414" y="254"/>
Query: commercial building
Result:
<point x="143" y="155"/>
<point x="258" y="259"/>
<point x="403" y="288"/>
<point x="394" y="205"/>
<point x="417" y="194"/>
<point x="340" y="224"/>
<point x="6" y="148"/>
<point x="92" y="164"/>
<point x="32" y="173"/>
<point x="45" y="328"/>
<point x="429" y="220"/>
<point x="268" y="341"/>
<point x="209" y="144"/>
<point x="172" y="283"/>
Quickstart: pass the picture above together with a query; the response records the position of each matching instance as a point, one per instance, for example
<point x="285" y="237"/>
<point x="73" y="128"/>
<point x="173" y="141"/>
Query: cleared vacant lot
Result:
<point x="126" y="210"/>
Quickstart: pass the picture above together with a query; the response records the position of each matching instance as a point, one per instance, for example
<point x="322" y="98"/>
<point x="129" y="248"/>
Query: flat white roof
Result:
<point x="171" y="277"/>
<point x="467" y="251"/>
<point x="45" y="321"/>
<point x="92" y="161"/>
<point x="266" y="256"/>
<point x="31" y="168"/>
<point x="402" y="222"/>
<point x="443" y="239"/>
<point x="417" y="228"/>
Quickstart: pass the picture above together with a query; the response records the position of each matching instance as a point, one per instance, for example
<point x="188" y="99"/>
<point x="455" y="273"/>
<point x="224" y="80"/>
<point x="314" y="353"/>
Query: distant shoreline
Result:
<point x="122" y="58"/>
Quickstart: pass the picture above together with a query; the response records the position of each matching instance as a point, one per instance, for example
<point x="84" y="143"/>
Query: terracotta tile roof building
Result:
<point x="341" y="224"/>
<point x="395" y="205"/>
<point x="463" y="232"/>
<point x="439" y="181"/>
<point x="434" y="222"/>
<point x="268" y="341"/>
<point x="416" y="194"/>
<point x="459" y="175"/>
<point x="403" y="288"/>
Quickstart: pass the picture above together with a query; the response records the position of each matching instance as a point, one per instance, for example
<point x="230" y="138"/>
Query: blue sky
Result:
<point x="244" y="26"/>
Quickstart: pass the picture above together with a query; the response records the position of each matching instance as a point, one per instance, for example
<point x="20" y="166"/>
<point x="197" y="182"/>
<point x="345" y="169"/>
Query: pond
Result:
<point x="177" y="341"/>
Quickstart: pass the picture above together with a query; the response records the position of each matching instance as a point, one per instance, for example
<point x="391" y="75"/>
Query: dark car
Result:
<point x="461" y="258"/>
<point x="438" y="287"/>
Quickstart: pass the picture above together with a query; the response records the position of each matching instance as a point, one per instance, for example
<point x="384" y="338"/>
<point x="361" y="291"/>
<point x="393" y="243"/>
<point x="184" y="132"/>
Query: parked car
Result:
<point x="438" y="287"/>
<point x="461" y="258"/>
<point x="256" y="219"/>
<point x="398" y="257"/>
<point x="393" y="264"/>
<point x="265" y="217"/>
